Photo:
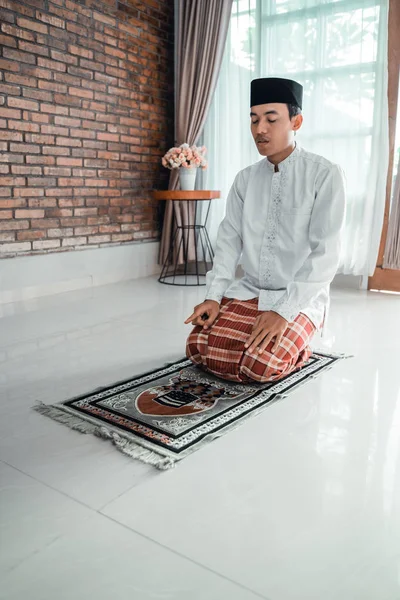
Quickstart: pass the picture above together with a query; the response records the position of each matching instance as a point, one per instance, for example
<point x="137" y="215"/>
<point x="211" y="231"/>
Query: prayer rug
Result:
<point x="164" y="415"/>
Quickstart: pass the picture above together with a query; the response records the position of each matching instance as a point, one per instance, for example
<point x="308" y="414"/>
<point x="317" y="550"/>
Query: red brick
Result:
<point x="6" y="214"/>
<point x="63" y="57"/>
<point x="6" y="40"/>
<point x="34" y="48"/>
<point x="59" y="212"/>
<point x="130" y="227"/>
<point x="11" y="158"/>
<point x="78" y="29"/>
<point x="25" y="191"/>
<point x="99" y="239"/>
<point x="58" y="191"/>
<point x="78" y="8"/>
<point x="98" y="220"/>
<point x="72" y="222"/>
<point x="56" y="151"/>
<point x="57" y="110"/>
<point x="15" y="136"/>
<point x="4" y="191"/>
<point x="37" y="138"/>
<point x="40" y="160"/>
<point x="22" y="126"/>
<point x="41" y="182"/>
<point x="22" y="103"/>
<point x="12" y="203"/>
<point x="60" y="232"/>
<point x="104" y="19"/>
<point x="64" y="141"/>
<point x="75" y="241"/>
<point x="25" y="148"/>
<point x="14" y="248"/>
<point x="32" y="25"/>
<point x="21" y="79"/>
<point x="66" y="202"/>
<point x="80" y="92"/>
<point x="109" y="229"/>
<point x="86" y="191"/>
<point x="121" y="237"/>
<point x="26" y="170"/>
<point x="42" y="202"/>
<point x="54" y="65"/>
<point x="54" y="21"/>
<point x="38" y="95"/>
<point x="85" y="212"/>
<point x="13" y="225"/>
<point x="52" y="129"/>
<point x="80" y="51"/>
<point x="72" y="162"/>
<point x="46" y="244"/>
<point x="10" y="90"/>
<point x="86" y="230"/>
<point x="108" y="137"/>
<point x="67" y="122"/>
<point x="30" y="235"/>
<point x="7" y="237"/>
<point x="44" y="223"/>
<point x="21" y="57"/>
<point x="83" y="134"/>
<point x="57" y="171"/>
<point x="12" y="181"/>
<point x="69" y="15"/>
<point x="37" y="72"/>
<point x="53" y="86"/>
<point x="29" y="214"/>
<point x="70" y="181"/>
<point x="17" y="32"/>
<point x="36" y="117"/>
<point x="8" y="113"/>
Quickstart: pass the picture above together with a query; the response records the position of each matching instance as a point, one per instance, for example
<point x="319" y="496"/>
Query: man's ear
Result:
<point x="297" y="122"/>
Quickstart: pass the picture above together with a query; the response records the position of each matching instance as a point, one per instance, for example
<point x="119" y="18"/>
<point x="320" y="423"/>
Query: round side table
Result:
<point x="190" y="247"/>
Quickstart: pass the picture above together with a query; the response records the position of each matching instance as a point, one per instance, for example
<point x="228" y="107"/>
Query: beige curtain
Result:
<point x="392" y="250"/>
<point x="200" y="36"/>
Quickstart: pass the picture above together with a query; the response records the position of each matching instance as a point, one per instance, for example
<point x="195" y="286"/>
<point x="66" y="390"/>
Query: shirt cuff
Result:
<point x="214" y="296"/>
<point x="286" y="309"/>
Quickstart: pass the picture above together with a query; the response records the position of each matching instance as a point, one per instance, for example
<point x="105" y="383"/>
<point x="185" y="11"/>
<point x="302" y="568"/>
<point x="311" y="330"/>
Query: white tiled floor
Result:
<point x="300" y="503"/>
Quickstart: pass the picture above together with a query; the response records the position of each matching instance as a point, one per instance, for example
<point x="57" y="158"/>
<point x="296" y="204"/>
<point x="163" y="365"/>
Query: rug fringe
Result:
<point x="131" y="449"/>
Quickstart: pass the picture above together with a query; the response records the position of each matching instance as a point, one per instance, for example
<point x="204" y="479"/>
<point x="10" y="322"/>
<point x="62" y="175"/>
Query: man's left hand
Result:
<point x="267" y="327"/>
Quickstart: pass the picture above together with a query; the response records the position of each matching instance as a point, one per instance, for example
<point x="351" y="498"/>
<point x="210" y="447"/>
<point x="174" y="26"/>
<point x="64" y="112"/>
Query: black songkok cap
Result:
<point x="269" y="90"/>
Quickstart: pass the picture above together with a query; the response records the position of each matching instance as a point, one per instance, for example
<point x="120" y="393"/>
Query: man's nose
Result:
<point x="262" y="128"/>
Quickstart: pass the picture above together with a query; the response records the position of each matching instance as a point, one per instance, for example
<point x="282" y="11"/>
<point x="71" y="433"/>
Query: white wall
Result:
<point x="33" y="276"/>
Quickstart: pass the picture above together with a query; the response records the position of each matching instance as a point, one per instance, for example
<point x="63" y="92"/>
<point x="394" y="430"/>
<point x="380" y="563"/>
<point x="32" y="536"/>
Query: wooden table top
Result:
<point x="185" y="194"/>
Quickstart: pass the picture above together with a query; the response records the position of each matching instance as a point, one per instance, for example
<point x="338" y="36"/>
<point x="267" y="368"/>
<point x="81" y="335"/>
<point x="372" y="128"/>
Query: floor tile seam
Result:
<point x="130" y="529"/>
<point x="33" y="553"/>
<point x="48" y="486"/>
<point x="60" y="332"/>
<point x="185" y="557"/>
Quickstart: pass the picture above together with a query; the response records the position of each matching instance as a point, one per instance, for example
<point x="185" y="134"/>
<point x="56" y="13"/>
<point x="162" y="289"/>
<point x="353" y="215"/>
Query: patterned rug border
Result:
<point x="140" y="448"/>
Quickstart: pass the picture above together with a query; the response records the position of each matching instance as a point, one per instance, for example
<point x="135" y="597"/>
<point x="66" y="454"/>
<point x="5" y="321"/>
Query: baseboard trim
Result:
<point x="27" y="277"/>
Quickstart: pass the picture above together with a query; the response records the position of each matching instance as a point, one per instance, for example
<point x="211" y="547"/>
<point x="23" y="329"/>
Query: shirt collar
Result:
<point x="288" y="160"/>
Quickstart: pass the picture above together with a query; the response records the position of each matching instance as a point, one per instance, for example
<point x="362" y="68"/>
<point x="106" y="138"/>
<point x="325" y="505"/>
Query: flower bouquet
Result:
<point x="188" y="159"/>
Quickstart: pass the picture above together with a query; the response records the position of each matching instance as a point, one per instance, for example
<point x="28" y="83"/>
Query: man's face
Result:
<point x="271" y="127"/>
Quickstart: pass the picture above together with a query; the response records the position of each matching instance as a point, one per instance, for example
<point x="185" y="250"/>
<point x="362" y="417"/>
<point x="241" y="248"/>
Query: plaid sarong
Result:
<point x="220" y="350"/>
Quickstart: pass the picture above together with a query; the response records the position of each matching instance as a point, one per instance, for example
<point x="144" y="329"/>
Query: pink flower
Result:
<point x="186" y="156"/>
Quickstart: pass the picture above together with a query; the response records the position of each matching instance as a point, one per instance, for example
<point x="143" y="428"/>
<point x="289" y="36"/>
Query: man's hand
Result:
<point x="204" y="314"/>
<point x="267" y="326"/>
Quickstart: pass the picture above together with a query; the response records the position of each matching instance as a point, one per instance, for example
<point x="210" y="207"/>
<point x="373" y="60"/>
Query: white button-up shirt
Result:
<point x="285" y="228"/>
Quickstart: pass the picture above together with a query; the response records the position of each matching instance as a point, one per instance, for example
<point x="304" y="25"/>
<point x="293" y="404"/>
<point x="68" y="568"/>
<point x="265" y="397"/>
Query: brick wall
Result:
<point x="86" y="112"/>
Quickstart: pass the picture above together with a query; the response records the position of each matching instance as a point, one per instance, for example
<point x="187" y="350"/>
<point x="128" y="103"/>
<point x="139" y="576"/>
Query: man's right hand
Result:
<point x="204" y="314"/>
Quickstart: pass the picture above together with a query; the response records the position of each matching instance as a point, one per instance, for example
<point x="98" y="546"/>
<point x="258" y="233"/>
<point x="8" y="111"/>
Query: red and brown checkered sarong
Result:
<point x="220" y="350"/>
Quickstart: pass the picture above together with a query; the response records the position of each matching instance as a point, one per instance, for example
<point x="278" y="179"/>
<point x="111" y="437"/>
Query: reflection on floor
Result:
<point x="302" y="502"/>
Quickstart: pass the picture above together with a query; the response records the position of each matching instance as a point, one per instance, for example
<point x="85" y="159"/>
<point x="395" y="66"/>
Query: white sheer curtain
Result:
<point x="338" y="50"/>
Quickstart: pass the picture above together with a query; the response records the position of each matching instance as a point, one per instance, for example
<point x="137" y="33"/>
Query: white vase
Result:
<point x="187" y="178"/>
